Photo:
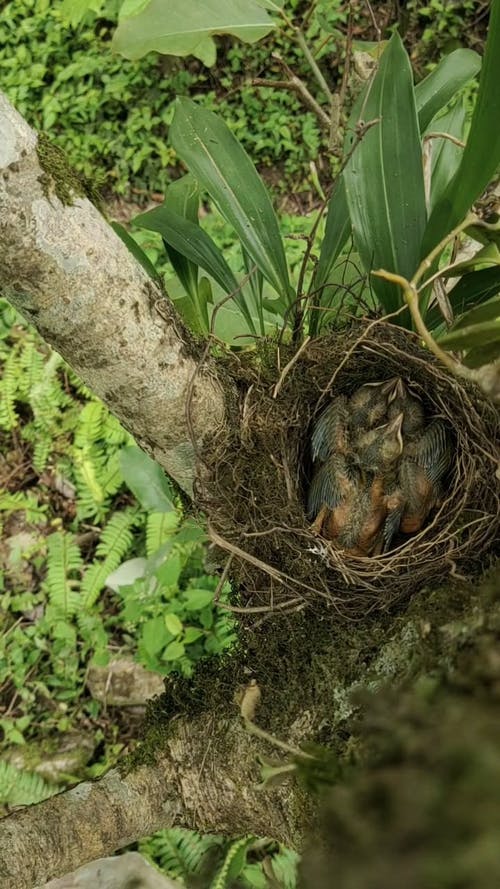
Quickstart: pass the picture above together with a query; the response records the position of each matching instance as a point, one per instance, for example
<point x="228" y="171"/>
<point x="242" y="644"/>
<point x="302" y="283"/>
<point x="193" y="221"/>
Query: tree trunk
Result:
<point x="63" y="267"/>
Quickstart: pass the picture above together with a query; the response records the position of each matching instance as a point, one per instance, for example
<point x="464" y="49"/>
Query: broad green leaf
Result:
<point x="135" y="250"/>
<point x="473" y="336"/>
<point x="448" y="77"/>
<point x="126" y="573"/>
<point x="169" y="572"/>
<point x="485" y="258"/>
<point x="154" y="634"/>
<point x="482" y="355"/>
<point x="481" y="155"/>
<point x="337" y="230"/>
<point x="174" y="651"/>
<point x="74" y="11"/>
<point x="183" y="197"/>
<point x="198" y="599"/>
<point x="222" y="167"/>
<point x="173" y="624"/>
<point x="192" y="634"/>
<point x="488" y="311"/>
<point x="189" y="239"/>
<point x="187" y="27"/>
<point x="254" y="287"/>
<point x="474" y="288"/>
<point x="147" y="480"/>
<point x="384" y="177"/>
<point x="446" y="155"/>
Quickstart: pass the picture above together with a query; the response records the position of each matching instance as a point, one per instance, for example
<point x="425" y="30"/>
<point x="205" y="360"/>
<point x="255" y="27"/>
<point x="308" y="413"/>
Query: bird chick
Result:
<point x="424" y="464"/>
<point x="334" y="487"/>
<point x="330" y="432"/>
<point x="418" y="490"/>
<point x="410" y="406"/>
<point x="368" y="404"/>
<point x="360" y="533"/>
<point x="378" y="450"/>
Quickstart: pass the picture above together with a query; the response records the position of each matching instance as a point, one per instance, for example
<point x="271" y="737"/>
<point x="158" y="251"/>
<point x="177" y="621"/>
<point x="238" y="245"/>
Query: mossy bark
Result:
<point x="406" y="704"/>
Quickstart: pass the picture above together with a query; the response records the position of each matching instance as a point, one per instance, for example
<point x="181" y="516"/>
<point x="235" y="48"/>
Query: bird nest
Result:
<point x="257" y="478"/>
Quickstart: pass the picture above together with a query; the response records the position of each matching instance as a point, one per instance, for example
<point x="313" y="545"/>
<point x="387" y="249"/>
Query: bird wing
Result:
<point x="324" y="432"/>
<point x="325" y="489"/>
<point x="433" y="451"/>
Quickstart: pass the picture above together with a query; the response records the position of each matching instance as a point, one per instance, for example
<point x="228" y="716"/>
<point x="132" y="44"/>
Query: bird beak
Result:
<point x="392" y="387"/>
<point x="395" y="427"/>
<point x="397" y="389"/>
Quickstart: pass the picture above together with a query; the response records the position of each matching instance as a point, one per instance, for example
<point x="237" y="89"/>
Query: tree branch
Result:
<point x="68" y="273"/>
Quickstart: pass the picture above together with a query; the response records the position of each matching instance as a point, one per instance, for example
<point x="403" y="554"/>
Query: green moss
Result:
<point x="60" y="178"/>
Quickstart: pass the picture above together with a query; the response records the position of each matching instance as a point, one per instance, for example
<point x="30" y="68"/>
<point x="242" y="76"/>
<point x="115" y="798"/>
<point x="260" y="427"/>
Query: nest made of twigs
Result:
<point x="256" y="488"/>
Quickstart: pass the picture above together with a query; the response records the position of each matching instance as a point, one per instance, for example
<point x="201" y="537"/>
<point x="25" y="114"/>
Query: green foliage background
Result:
<point x="62" y="485"/>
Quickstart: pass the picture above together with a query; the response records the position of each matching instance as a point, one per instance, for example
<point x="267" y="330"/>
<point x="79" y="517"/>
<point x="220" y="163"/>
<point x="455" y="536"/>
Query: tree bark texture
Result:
<point x="64" y="268"/>
<point x="415" y="685"/>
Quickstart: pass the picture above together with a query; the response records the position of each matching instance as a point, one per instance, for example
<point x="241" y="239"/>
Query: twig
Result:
<point x="298" y="86"/>
<point x="287" y="368"/>
<point x="445" y="136"/>
<point x="223" y="577"/>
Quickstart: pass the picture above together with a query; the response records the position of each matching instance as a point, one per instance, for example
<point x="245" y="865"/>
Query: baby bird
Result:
<point x="330" y="432"/>
<point x="378" y="450"/>
<point x="422" y="469"/>
<point x="412" y="409"/>
<point x="368" y="404"/>
<point x="418" y="490"/>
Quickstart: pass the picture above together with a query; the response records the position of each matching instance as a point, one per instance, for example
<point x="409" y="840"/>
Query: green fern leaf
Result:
<point x="19" y="788"/>
<point x="8" y="391"/>
<point x="64" y="564"/>
<point x="159" y="527"/>
<point x="178" y="852"/>
<point x="90" y="424"/>
<point x="116" y="539"/>
<point x="233" y="863"/>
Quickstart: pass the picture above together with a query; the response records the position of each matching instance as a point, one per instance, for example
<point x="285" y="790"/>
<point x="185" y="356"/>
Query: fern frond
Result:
<point x="64" y="564"/>
<point x="159" y="527"/>
<point x="31" y="361"/>
<point x="12" y="502"/>
<point x="233" y="863"/>
<point x="178" y="852"/>
<point x="112" y="479"/>
<point x="116" y="539"/>
<point x="19" y="788"/>
<point x="41" y="452"/>
<point x="8" y="391"/>
<point x="285" y="864"/>
<point x="89" y="429"/>
<point x="114" y="433"/>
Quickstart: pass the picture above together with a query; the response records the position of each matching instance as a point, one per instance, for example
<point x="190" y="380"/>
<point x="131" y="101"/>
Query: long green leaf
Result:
<point x="384" y="177"/>
<point x="192" y="242"/>
<point x="472" y="289"/>
<point x="481" y="155"/>
<point x="448" y="77"/>
<point x="187" y="27"/>
<point x="183" y="197"/>
<point x="446" y="155"/>
<point x="337" y="230"/>
<point x="189" y="239"/>
<point x="135" y="250"/>
<point x="488" y="311"/>
<point x="221" y="166"/>
<point x="473" y="336"/>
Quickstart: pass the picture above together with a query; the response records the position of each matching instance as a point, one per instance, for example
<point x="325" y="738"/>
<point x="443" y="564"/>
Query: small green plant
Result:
<point x="65" y="537"/>
<point x="249" y="863"/>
